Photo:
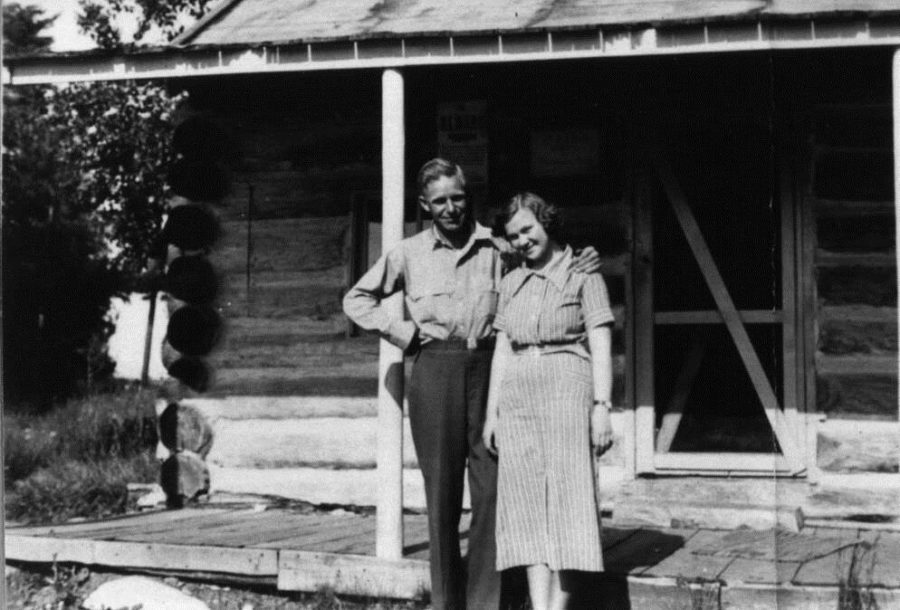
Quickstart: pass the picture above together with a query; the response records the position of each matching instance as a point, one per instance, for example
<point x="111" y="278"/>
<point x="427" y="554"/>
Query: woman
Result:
<point x="548" y="406"/>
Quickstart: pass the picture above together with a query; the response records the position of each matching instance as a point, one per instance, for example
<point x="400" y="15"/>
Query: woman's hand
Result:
<point x="601" y="429"/>
<point x="489" y="435"/>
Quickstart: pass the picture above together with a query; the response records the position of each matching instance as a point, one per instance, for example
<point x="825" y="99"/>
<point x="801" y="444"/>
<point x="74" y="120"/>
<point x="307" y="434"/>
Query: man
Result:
<point x="449" y="275"/>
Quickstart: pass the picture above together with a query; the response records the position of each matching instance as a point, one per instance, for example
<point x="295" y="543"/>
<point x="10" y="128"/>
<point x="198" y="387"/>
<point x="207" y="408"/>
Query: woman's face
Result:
<point x="528" y="236"/>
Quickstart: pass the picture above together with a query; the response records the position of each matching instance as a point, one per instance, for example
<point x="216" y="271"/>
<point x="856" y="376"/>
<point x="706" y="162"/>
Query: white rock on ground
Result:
<point x="139" y="591"/>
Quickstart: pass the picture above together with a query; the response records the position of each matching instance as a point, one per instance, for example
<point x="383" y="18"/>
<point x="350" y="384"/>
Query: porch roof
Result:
<point x="238" y="22"/>
<point x="270" y="36"/>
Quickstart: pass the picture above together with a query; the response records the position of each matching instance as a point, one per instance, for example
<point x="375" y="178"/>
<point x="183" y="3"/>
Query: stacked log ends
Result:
<point x="188" y="436"/>
<point x="184" y="477"/>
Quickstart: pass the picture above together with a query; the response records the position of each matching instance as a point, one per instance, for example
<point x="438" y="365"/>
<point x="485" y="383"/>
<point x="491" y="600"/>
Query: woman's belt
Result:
<point x="543" y="349"/>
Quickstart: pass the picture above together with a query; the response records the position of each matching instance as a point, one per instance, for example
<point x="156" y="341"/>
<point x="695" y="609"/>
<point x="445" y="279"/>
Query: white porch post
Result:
<point x="389" y="515"/>
<point x="896" y="108"/>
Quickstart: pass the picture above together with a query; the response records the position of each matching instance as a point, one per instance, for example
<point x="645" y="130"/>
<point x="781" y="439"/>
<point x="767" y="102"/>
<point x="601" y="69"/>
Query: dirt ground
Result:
<point x="65" y="588"/>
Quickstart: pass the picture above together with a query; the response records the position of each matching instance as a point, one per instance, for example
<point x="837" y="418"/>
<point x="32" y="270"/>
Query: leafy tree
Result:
<point x="100" y="18"/>
<point x="84" y="191"/>
<point x="22" y="27"/>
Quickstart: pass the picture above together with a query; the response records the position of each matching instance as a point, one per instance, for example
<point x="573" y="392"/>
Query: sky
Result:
<point x="64" y="30"/>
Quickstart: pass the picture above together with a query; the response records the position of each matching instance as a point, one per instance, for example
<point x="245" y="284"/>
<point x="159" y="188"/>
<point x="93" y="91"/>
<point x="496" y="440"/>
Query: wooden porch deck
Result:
<point x="304" y="551"/>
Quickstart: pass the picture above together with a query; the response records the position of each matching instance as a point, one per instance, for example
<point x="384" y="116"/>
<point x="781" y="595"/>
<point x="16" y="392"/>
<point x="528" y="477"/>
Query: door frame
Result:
<point x="787" y="417"/>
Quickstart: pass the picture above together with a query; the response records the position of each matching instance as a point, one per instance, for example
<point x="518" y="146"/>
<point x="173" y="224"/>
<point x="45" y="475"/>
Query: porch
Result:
<point x="298" y="548"/>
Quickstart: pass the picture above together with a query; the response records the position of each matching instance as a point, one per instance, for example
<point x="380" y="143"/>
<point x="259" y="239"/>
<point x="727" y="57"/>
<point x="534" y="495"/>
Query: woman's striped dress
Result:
<point x="547" y="511"/>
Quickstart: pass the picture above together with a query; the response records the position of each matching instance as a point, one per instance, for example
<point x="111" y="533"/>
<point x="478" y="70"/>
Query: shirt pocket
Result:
<point x="427" y="301"/>
<point x="569" y="312"/>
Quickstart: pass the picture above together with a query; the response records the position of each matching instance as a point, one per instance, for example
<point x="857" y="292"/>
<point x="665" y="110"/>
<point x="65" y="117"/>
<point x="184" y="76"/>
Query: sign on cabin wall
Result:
<point x="564" y="152"/>
<point x="462" y="137"/>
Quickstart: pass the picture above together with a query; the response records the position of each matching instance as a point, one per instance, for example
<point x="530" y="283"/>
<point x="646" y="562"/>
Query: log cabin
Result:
<point x="733" y="161"/>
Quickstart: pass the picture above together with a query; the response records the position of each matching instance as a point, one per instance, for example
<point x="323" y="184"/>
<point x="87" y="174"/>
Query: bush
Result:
<point x="77" y="459"/>
<point x="66" y="490"/>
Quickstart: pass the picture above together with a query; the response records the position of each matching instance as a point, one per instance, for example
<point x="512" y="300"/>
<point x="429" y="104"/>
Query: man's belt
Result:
<point x="458" y="345"/>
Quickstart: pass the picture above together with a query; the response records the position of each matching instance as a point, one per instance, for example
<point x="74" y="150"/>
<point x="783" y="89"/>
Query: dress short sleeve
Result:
<point x="595" y="302"/>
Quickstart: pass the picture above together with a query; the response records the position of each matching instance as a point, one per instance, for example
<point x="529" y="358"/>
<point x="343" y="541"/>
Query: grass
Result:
<point x="76" y="459"/>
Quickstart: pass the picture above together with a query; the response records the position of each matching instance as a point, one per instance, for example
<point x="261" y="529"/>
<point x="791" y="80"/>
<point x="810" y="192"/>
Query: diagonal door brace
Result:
<point x="728" y="311"/>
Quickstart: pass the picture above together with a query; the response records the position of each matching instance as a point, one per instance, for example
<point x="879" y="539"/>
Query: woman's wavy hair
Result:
<point x="546" y="213"/>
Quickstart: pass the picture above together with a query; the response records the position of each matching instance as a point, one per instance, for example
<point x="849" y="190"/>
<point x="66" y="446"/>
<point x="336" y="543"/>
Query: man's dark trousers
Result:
<point x="447" y="399"/>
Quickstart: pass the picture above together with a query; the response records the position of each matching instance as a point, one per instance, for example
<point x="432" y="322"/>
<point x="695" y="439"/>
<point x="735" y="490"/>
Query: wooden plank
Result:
<point x="611" y="536"/>
<point x="808" y="307"/>
<point x="156" y="531"/>
<point x="643" y="549"/>
<point x="364" y="544"/>
<point x="255" y="562"/>
<point x="415" y="538"/>
<point x="789" y="307"/>
<point x="349" y="538"/>
<point x="835" y="208"/>
<point x="645" y="417"/>
<point x="311" y="540"/>
<point x="854" y="564"/>
<point x="273" y="536"/>
<point x="824" y="258"/>
<point x="257" y="518"/>
<point x="759" y="571"/>
<point x="353" y="575"/>
<point x="759" y="462"/>
<point x="125" y="521"/>
<point x="747" y="316"/>
<point x="884" y="566"/>
<point x="683" y="384"/>
<point x="684" y="564"/>
<point x="238" y="533"/>
<point x="768" y="597"/>
<point x="628" y="414"/>
<point x="710" y="271"/>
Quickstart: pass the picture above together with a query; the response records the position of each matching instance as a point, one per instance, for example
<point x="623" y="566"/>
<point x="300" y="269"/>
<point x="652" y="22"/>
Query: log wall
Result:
<point x="850" y="193"/>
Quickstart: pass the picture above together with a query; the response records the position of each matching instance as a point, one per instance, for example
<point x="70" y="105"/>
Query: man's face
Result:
<point x="445" y="200"/>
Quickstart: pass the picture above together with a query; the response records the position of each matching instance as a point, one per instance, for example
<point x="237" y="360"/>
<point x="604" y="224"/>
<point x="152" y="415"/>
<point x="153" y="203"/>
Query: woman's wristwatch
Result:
<point x="603" y="403"/>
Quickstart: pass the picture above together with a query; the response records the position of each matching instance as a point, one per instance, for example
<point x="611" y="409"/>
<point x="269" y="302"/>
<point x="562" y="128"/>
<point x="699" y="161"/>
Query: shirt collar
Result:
<point x="557" y="273"/>
<point x="479" y="232"/>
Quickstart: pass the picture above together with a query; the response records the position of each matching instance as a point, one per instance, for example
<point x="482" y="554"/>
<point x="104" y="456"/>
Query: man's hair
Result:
<point x="546" y="213"/>
<point x="436" y="168"/>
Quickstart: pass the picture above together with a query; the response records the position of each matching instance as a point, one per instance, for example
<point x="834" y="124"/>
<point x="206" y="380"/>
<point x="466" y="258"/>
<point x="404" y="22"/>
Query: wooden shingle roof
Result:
<point x="241" y="22"/>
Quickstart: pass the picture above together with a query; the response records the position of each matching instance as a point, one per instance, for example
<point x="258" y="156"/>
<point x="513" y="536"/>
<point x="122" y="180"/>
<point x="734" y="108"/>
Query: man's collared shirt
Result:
<point x="450" y="293"/>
